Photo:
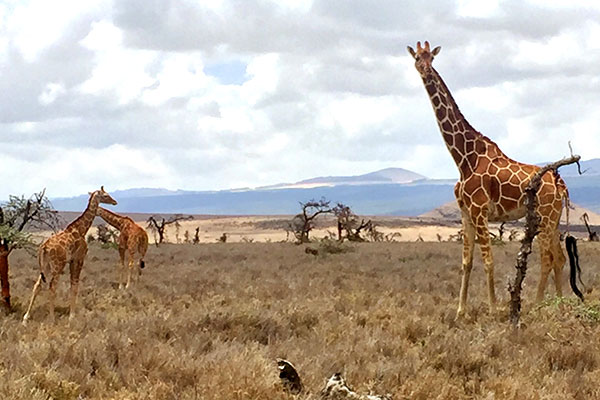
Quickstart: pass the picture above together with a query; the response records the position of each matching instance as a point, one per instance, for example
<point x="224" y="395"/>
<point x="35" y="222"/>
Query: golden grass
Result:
<point x="208" y="322"/>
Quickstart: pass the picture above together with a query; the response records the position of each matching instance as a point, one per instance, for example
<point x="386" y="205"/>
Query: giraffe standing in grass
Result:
<point x="66" y="247"/>
<point x="491" y="187"/>
<point x="133" y="243"/>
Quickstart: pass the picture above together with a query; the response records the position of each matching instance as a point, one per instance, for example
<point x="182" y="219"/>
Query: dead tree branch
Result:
<point x="592" y="235"/>
<point x="158" y="225"/>
<point x="532" y="221"/>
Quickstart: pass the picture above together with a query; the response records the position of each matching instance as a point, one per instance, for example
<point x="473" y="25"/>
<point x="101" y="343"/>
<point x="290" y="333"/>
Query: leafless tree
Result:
<point x="158" y="224"/>
<point x="348" y="224"/>
<point x="17" y="215"/>
<point x="303" y="223"/>
<point x="592" y="235"/>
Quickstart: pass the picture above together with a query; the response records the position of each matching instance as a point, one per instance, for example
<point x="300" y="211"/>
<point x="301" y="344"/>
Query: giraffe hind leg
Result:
<point x="130" y="266"/>
<point x="36" y="289"/>
<point x="559" y="263"/>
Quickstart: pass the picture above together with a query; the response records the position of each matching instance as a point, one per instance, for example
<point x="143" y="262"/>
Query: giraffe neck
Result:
<point x="111" y="218"/>
<point x="82" y="224"/>
<point x="464" y="143"/>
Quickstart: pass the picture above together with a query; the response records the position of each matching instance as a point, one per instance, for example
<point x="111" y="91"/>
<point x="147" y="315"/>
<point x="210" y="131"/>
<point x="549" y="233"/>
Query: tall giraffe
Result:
<point x="491" y="187"/>
<point x="66" y="247"/>
<point x="133" y="242"/>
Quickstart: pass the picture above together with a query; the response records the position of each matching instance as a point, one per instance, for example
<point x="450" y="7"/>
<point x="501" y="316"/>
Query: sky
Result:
<point x="221" y="94"/>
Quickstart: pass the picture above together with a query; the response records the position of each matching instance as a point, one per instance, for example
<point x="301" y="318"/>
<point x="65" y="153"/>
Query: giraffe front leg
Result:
<point x="467" y="265"/>
<point x="75" y="272"/>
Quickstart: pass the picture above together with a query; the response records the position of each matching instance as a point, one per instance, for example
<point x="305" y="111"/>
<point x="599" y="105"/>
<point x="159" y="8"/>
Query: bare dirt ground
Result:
<point x="208" y="321"/>
<point x="269" y="229"/>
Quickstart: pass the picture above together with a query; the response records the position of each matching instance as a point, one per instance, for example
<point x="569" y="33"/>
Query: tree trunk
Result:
<point x="4" y="252"/>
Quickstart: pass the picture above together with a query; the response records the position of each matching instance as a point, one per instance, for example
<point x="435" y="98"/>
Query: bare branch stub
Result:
<point x="531" y="230"/>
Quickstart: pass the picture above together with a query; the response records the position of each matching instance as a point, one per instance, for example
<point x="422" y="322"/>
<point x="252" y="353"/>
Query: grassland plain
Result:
<point x="208" y="321"/>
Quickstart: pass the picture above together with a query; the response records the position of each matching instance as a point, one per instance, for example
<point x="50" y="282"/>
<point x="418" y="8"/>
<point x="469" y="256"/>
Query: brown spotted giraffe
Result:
<point x="133" y="243"/>
<point x="66" y="247"/>
<point x="491" y="187"/>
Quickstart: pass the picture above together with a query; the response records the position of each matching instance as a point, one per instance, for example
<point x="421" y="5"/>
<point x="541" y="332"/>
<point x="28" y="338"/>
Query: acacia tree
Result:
<point x="303" y="223"/>
<point x="158" y="224"/>
<point x="17" y="214"/>
<point x="348" y="222"/>
<point x="106" y="235"/>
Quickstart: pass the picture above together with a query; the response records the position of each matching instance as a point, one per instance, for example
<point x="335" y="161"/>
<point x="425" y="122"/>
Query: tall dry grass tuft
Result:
<point x="209" y="321"/>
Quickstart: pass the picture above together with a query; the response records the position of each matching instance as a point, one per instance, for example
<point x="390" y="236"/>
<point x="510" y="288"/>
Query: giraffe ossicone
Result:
<point x="491" y="186"/>
<point x="66" y="247"/>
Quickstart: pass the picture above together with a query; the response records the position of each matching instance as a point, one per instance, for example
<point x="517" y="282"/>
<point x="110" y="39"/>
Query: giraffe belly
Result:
<point x="498" y="214"/>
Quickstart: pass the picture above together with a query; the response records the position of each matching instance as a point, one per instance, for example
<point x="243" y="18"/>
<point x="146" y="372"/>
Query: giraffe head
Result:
<point x="103" y="197"/>
<point x="423" y="58"/>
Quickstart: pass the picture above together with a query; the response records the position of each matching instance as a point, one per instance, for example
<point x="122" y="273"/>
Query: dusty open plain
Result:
<point x="207" y="321"/>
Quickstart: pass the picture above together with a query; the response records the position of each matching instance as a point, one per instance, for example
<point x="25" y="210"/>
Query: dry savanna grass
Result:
<point x="208" y="321"/>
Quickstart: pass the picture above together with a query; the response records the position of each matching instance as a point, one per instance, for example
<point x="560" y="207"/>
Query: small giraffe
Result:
<point x="66" y="247"/>
<point x="491" y="187"/>
<point x="133" y="242"/>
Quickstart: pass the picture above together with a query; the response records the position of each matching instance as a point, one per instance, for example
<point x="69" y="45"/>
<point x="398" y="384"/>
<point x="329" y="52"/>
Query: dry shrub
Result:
<point x="208" y="322"/>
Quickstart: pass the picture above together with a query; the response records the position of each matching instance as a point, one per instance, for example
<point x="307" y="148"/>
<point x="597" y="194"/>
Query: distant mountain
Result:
<point x="392" y="191"/>
<point x="148" y="192"/>
<point x="388" y="175"/>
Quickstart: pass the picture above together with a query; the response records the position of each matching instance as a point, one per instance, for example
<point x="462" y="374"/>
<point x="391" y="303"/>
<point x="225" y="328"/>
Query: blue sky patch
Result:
<point x="228" y="73"/>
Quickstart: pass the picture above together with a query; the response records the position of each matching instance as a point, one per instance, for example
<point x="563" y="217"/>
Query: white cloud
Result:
<point x="115" y="93"/>
<point x="476" y="8"/>
<point x="37" y="24"/>
<point x="117" y="70"/>
<point x="51" y="93"/>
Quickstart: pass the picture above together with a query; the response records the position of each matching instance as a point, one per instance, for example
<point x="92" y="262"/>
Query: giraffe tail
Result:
<point x="142" y="264"/>
<point x="575" y="270"/>
<point x="43" y="261"/>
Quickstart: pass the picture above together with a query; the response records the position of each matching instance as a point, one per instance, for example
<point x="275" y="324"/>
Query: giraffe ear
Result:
<point x="436" y="50"/>
<point x="411" y="51"/>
